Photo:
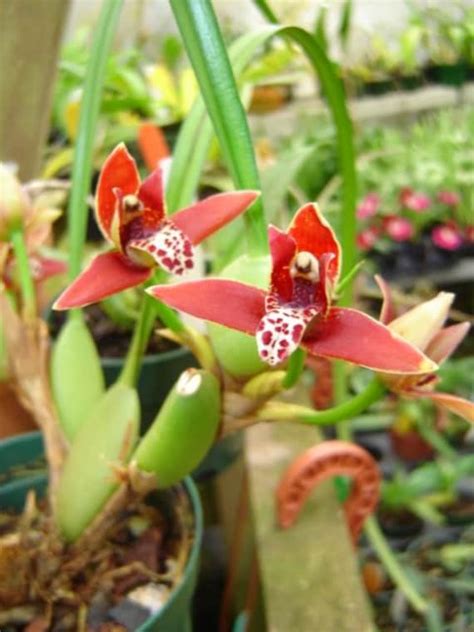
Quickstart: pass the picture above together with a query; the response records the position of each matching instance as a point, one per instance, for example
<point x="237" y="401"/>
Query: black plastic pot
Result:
<point x="410" y="82"/>
<point x="448" y="74"/>
<point x="378" y="87"/>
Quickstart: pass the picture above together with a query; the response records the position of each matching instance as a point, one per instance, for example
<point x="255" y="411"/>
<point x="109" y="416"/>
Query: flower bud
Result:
<point x="13" y="201"/>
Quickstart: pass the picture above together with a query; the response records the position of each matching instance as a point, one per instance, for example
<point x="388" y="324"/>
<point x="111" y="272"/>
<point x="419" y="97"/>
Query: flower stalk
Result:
<point x="25" y="277"/>
<point x="394" y="569"/>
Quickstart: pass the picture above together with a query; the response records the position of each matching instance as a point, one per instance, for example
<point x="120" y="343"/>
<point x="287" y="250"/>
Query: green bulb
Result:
<point x="237" y="352"/>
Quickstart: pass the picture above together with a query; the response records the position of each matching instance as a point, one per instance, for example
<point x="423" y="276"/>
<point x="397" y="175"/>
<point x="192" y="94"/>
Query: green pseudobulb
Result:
<point x="237" y="352"/>
<point x="105" y="440"/>
<point x="77" y="381"/>
<point x="184" y="429"/>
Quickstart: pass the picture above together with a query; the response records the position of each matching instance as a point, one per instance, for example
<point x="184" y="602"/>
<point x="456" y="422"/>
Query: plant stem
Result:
<point x="83" y="154"/>
<point x="347" y="409"/>
<point x="27" y="286"/>
<point x="392" y="566"/>
<point x="207" y="53"/>
<point x="141" y="333"/>
<point x="295" y="368"/>
<point x="436" y="440"/>
<point x="150" y="309"/>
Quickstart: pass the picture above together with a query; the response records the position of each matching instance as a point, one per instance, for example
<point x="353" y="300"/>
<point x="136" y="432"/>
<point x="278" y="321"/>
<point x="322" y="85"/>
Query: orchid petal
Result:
<point x="420" y="324"/>
<point x="387" y="311"/>
<point x="280" y="333"/>
<point x="350" y="335"/>
<point x="46" y="267"/>
<point x="282" y="249"/>
<point x="454" y="404"/>
<point x="169" y="247"/>
<point x="107" y="274"/>
<point x="229" y="303"/>
<point x="445" y="342"/>
<point x="151" y="194"/>
<point x="206" y="217"/>
<point x="312" y="233"/>
<point x="119" y="172"/>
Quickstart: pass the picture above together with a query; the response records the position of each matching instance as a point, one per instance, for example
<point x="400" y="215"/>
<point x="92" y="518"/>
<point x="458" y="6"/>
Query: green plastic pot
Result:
<point x="175" y="616"/>
<point x="158" y="374"/>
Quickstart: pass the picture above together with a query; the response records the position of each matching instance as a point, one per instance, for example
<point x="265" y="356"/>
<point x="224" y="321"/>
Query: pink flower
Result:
<point x="398" y="228"/>
<point x="369" y="206"/>
<point x="447" y="236"/>
<point x="450" y="198"/>
<point x="366" y="238"/>
<point x="413" y="201"/>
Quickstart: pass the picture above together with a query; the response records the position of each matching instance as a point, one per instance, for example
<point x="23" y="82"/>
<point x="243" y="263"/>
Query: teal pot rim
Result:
<point x="39" y="481"/>
<point x="148" y="359"/>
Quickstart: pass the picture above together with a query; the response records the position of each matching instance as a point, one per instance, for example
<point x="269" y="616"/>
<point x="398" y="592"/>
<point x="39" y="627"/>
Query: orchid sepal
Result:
<point x="132" y="217"/>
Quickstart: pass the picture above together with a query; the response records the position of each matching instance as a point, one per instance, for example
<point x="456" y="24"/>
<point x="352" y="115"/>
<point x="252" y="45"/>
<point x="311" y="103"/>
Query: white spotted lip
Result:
<point x="169" y="247"/>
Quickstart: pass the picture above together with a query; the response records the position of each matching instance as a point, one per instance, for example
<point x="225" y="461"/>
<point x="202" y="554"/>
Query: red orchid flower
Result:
<point x="423" y="327"/>
<point x="297" y="308"/>
<point x="132" y="217"/>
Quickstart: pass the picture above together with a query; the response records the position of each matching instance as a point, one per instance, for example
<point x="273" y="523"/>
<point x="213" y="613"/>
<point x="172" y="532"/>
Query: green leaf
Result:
<point x="184" y="429"/>
<point x="87" y="132"/>
<point x="206" y="50"/>
<point x="77" y="381"/>
<point x="105" y="440"/>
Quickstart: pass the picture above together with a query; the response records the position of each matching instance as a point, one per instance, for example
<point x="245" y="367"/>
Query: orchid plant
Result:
<point x="98" y="463"/>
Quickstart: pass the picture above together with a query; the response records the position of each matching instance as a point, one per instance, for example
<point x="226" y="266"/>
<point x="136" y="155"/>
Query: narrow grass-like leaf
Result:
<point x="105" y="440"/>
<point x="87" y="131"/>
<point x="77" y="381"/>
<point x="208" y="55"/>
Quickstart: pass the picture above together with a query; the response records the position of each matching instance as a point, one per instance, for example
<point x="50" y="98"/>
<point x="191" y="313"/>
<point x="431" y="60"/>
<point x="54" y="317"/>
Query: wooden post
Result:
<point x="30" y="35"/>
<point x="308" y="573"/>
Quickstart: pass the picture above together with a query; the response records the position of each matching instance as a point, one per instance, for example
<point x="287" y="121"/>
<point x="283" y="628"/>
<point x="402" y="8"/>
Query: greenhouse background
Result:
<point x="236" y="308"/>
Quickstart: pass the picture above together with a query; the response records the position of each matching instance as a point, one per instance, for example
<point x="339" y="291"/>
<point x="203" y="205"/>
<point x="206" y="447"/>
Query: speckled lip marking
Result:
<point x="169" y="247"/>
<point x="280" y="332"/>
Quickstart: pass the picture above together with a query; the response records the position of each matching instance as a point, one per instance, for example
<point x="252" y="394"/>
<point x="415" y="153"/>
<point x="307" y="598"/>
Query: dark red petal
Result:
<point x="350" y="335"/>
<point x="206" y="217"/>
<point x="313" y="234"/>
<point x="282" y="250"/>
<point x="107" y="274"/>
<point x="230" y="303"/>
<point x="446" y="341"/>
<point x="387" y="311"/>
<point x="118" y="172"/>
<point x="151" y="193"/>
<point x="454" y="404"/>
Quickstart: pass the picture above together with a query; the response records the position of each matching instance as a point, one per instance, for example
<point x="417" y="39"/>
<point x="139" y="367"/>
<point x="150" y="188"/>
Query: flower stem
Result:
<point x="391" y="564"/>
<point x="347" y="409"/>
<point x="27" y="286"/>
<point x="281" y="411"/>
<point x="150" y="309"/>
<point x="295" y="368"/>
